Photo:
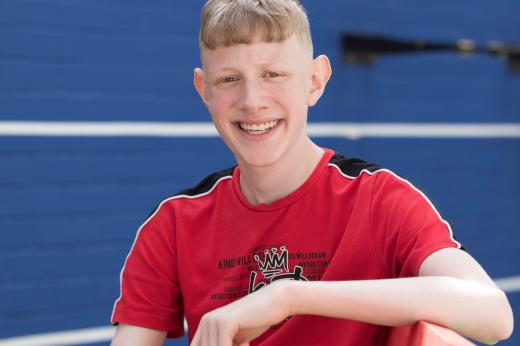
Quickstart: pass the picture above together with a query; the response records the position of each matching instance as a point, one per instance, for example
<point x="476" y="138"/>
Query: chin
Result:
<point x="258" y="160"/>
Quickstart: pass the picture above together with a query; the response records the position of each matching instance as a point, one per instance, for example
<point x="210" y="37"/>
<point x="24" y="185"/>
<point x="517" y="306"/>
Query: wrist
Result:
<point x="292" y="290"/>
<point x="283" y="297"/>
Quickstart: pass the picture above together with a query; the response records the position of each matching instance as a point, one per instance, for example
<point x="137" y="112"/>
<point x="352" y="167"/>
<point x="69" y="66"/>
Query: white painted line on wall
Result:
<point x="206" y="129"/>
<point x="107" y="129"/>
<point x="102" y="334"/>
<point x="67" y="338"/>
<point x="71" y="337"/>
<point x="409" y="130"/>
<point x="510" y="284"/>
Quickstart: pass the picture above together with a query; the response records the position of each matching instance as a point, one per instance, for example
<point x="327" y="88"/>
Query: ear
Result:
<point x="321" y="72"/>
<point x="200" y="84"/>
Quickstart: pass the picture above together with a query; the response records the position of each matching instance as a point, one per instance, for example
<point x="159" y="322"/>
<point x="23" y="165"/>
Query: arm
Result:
<point x="150" y="302"/>
<point x="127" y="335"/>
<point x="452" y="290"/>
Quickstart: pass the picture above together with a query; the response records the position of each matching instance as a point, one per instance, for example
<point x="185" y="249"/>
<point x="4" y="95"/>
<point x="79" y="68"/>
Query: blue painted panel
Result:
<point x="69" y="208"/>
<point x="150" y="19"/>
<point x="68" y="48"/>
<point x="100" y="108"/>
<point x="111" y="61"/>
<point x="37" y="322"/>
<point x="479" y="20"/>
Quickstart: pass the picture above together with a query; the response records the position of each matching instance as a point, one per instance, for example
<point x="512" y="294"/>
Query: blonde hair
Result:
<point x="229" y="22"/>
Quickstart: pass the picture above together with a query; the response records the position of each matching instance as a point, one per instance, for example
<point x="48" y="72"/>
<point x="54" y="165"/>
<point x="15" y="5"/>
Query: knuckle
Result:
<point x="210" y="317"/>
<point x="206" y="318"/>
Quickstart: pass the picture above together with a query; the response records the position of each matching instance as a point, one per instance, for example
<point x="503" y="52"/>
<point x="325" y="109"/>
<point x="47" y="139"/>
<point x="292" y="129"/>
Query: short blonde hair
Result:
<point x="229" y="22"/>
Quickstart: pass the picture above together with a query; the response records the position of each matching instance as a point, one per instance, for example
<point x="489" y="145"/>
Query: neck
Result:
<point x="267" y="184"/>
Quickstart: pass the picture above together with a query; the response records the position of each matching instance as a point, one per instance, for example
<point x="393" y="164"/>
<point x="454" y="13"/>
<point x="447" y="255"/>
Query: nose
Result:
<point x="253" y="98"/>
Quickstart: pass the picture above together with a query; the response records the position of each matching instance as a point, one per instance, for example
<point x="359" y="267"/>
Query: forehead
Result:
<point x="290" y="51"/>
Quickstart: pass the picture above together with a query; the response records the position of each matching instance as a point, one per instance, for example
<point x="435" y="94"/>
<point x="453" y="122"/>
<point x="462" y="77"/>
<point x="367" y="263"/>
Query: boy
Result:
<point x="296" y="245"/>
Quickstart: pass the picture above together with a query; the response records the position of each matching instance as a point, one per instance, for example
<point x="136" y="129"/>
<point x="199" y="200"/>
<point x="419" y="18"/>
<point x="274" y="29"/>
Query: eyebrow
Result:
<point x="227" y="69"/>
<point x="276" y="65"/>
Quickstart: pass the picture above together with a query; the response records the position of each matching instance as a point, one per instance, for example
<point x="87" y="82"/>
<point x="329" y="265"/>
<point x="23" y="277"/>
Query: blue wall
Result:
<point x="69" y="207"/>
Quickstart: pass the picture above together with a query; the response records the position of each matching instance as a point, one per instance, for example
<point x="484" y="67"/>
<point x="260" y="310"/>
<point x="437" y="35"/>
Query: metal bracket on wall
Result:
<point x="365" y="48"/>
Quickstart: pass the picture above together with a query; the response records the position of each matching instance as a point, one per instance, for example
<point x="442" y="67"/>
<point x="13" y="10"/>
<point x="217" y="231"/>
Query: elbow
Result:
<point x="505" y="325"/>
<point x="501" y="322"/>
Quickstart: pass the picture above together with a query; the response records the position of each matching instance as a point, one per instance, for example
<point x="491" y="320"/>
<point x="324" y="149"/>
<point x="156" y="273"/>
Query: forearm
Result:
<point x="471" y="309"/>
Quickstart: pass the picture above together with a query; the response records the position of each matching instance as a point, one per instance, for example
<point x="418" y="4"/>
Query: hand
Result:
<point x="238" y="323"/>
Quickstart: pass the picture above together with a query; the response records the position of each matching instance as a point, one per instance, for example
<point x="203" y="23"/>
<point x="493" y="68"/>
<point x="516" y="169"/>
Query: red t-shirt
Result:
<point x="207" y="247"/>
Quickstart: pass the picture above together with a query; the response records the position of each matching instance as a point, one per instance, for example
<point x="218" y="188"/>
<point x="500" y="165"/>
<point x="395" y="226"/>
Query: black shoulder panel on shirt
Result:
<point x="352" y="166"/>
<point x="202" y="187"/>
<point x="206" y="184"/>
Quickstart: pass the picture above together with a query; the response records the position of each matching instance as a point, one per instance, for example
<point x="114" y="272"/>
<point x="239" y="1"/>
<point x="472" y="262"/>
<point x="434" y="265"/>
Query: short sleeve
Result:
<point x="150" y="295"/>
<point x="406" y="228"/>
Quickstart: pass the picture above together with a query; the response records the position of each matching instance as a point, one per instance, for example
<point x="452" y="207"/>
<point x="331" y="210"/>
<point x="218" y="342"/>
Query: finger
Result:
<point x="224" y="337"/>
<point x="209" y="333"/>
<point x="205" y="337"/>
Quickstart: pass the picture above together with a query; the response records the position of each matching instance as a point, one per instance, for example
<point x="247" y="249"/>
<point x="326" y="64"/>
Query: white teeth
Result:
<point x="258" y="128"/>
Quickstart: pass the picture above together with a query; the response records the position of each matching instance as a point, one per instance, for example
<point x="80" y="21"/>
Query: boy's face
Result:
<point x="258" y="96"/>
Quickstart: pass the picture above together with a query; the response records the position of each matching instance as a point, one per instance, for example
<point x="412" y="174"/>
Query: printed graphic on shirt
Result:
<point x="274" y="267"/>
<point x="266" y="264"/>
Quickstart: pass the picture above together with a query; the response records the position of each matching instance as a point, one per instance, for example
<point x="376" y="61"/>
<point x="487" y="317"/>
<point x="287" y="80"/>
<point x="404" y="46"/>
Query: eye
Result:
<point x="229" y="79"/>
<point x="271" y="74"/>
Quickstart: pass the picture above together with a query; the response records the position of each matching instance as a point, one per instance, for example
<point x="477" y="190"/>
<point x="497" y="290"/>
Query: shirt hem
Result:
<point x="430" y="250"/>
<point x="150" y="323"/>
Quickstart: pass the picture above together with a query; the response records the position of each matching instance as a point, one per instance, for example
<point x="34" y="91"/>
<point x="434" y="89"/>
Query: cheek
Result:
<point x="293" y="98"/>
<point x="219" y="104"/>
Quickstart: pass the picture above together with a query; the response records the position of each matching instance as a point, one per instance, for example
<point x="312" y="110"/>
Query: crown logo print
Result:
<point x="274" y="267"/>
<point x="274" y="262"/>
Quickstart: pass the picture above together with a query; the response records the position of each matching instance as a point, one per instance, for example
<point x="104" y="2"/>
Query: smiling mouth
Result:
<point x="257" y="129"/>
